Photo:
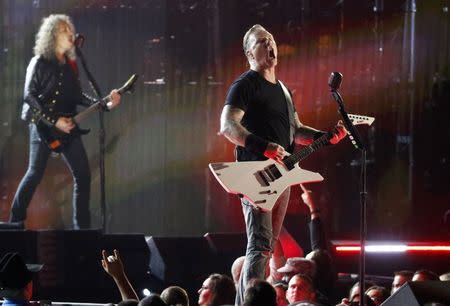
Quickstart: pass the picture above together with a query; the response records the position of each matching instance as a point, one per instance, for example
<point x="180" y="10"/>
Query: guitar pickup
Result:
<point x="273" y="171"/>
<point x="261" y="178"/>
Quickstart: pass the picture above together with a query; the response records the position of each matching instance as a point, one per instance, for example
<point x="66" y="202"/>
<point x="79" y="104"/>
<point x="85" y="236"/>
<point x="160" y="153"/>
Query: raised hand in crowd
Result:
<point x="112" y="264"/>
<point x="307" y="199"/>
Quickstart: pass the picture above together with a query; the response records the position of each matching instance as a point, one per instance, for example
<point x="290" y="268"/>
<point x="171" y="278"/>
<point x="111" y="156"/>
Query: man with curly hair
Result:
<point x="52" y="88"/>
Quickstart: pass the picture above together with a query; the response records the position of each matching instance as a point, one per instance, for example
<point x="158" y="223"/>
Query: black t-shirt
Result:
<point x="266" y="111"/>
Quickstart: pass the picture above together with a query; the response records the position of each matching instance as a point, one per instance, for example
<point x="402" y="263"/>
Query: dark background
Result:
<point x="395" y="62"/>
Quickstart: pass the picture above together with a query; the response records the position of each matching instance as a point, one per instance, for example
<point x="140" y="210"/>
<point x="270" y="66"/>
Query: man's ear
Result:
<point x="249" y="54"/>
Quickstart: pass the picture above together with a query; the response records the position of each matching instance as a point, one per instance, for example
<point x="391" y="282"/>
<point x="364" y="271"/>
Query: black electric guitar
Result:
<point x="56" y="140"/>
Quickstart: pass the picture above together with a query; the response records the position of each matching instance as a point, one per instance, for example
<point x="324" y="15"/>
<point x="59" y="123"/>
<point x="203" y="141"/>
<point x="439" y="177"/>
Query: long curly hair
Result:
<point x="46" y="36"/>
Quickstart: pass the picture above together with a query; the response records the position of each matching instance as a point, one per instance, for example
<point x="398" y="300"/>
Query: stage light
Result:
<point x="395" y="248"/>
<point x="146" y="292"/>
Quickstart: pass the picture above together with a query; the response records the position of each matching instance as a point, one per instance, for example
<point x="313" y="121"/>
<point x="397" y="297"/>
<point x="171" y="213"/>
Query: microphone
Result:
<point x="335" y="80"/>
<point x="79" y="40"/>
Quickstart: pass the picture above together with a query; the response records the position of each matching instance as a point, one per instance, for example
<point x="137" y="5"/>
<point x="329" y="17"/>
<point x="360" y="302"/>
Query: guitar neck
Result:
<point x="306" y="151"/>
<point x="100" y="104"/>
<point x="85" y="113"/>
<point x="322" y="141"/>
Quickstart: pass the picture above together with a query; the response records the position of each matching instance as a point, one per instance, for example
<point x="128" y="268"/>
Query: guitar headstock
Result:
<point x="360" y="119"/>
<point x="129" y="85"/>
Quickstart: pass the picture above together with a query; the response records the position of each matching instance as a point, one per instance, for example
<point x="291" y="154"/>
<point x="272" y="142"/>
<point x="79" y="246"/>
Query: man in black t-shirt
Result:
<point x="259" y="119"/>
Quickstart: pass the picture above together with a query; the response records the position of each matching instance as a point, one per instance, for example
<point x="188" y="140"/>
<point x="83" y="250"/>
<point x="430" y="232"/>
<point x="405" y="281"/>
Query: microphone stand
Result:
<point x="359" y="145"/>
<point x="101" y="137"/>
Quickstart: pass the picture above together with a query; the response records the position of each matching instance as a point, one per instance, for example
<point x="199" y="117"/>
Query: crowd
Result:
<point x="309" y="280"/>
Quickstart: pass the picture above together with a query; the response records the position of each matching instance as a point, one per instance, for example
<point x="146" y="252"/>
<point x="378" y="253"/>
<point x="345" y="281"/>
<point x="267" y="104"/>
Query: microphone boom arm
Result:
<point x="354" y="135"/>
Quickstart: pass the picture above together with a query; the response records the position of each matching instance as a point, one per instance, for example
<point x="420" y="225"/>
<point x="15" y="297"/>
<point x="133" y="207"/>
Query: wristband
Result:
<point x="256" y="144"/>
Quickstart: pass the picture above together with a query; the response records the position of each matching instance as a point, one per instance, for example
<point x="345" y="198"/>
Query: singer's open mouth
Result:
<point x="271" y="54"/>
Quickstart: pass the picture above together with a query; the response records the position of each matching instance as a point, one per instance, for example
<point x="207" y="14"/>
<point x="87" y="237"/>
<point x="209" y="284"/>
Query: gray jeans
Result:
<point x="263" y="229"/>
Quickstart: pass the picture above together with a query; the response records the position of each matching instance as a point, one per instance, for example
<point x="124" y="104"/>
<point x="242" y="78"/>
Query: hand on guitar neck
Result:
<point x="339" y="133"/>
<point x="114" y="99"/>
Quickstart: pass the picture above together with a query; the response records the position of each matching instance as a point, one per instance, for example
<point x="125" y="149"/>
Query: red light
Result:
<point x="395" y="248"/>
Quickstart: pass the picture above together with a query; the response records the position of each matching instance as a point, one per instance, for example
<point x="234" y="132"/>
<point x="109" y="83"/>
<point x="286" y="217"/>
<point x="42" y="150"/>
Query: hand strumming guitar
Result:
<point x="65" y="124"/>
<point x="275" y="152"/>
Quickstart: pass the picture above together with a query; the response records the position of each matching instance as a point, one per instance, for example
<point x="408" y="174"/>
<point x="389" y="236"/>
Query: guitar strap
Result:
<point x="291" y="112"/>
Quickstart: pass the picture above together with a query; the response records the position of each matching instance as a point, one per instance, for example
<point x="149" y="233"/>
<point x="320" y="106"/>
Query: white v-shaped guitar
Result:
<point x="262" y="182"/>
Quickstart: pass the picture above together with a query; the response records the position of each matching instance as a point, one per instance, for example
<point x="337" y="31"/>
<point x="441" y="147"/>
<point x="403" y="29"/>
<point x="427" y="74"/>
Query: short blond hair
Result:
<point x="255" y="28"/>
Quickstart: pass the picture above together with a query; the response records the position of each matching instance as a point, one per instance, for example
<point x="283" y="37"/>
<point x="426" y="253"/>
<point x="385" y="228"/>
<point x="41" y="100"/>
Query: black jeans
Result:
<point x="76" y="159"/>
